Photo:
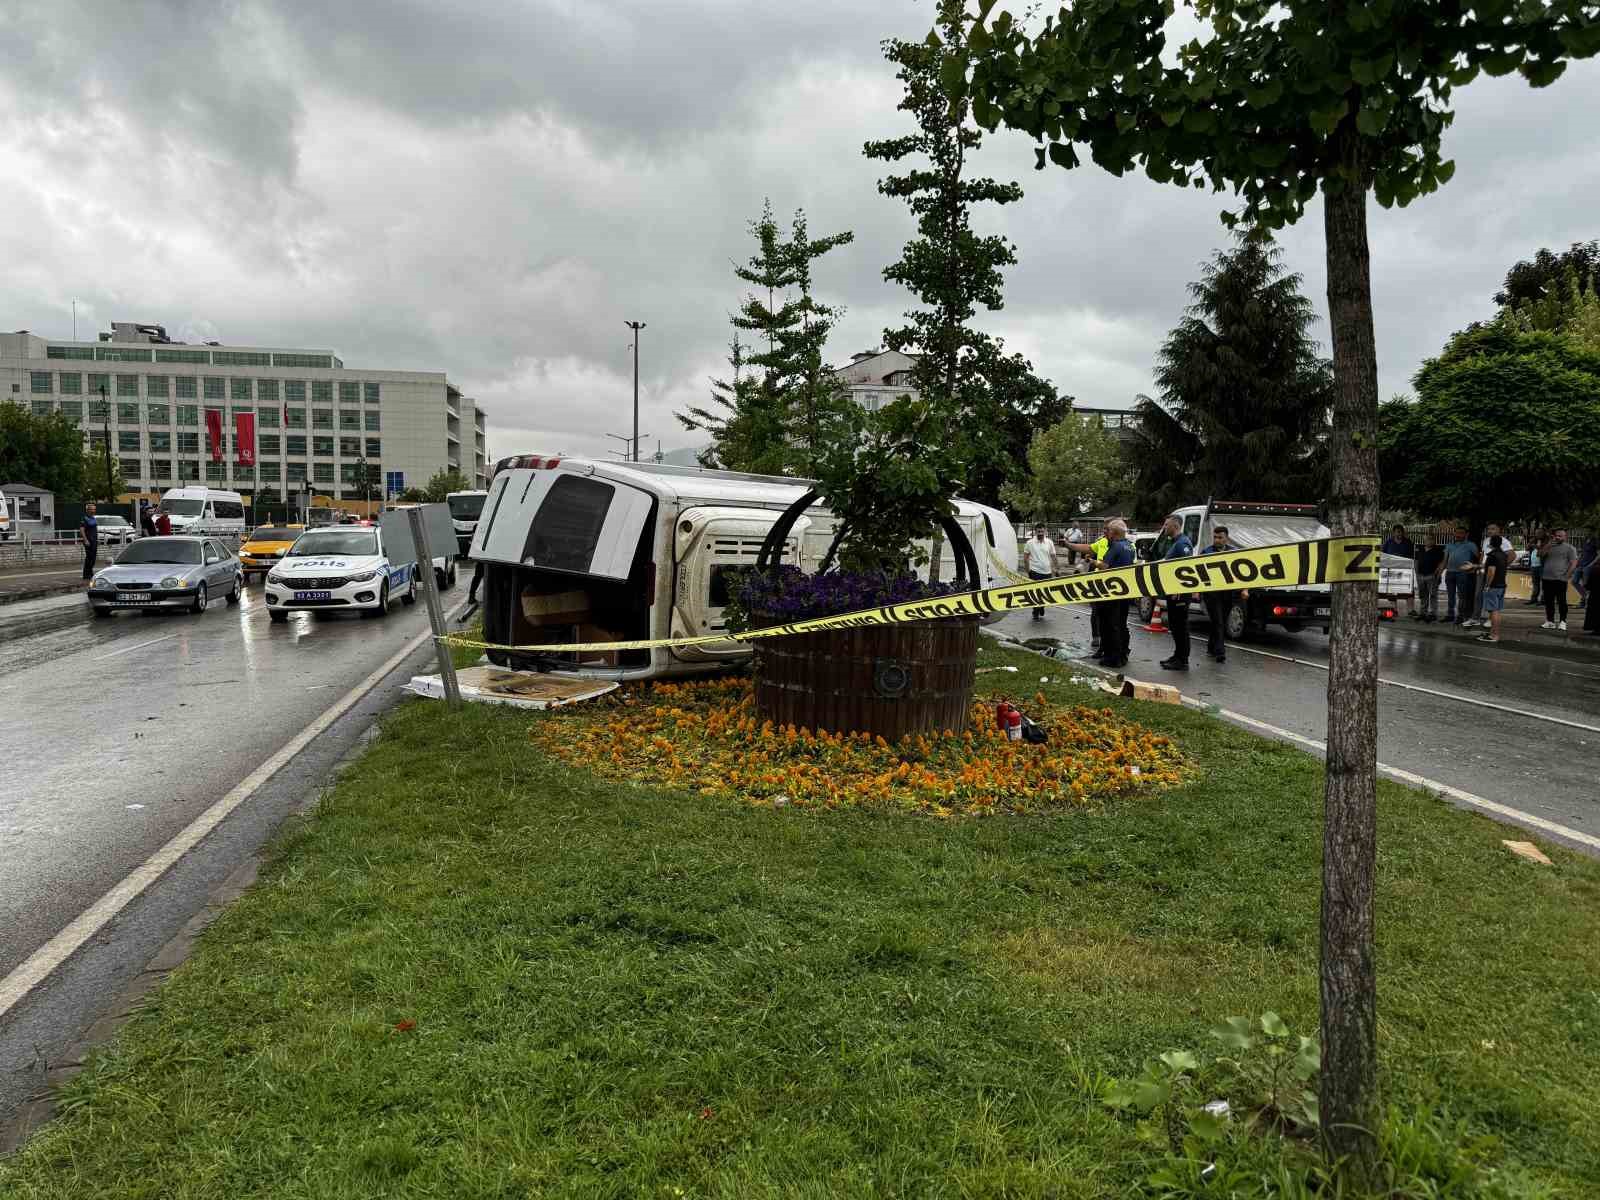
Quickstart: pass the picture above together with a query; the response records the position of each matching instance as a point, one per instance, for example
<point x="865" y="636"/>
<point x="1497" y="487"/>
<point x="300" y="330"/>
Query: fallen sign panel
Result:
<point x="521" y="689"/>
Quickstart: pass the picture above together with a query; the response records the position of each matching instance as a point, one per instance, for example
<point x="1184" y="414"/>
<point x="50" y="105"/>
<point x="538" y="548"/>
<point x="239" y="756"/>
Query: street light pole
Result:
<point x="105" y="425"/>
<point x="636" y="326"/>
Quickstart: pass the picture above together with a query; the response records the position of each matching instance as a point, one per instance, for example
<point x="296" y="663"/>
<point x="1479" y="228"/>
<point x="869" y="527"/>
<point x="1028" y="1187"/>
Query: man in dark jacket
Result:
<point x="1430" y="561"/>
<point x="1219" y="603"/>
<point x="1178" y="606"/>
<point x="90" y="529"/>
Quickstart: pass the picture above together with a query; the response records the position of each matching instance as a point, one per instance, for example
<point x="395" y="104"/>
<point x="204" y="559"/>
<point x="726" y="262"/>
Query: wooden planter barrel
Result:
<point x="889" y="680"/>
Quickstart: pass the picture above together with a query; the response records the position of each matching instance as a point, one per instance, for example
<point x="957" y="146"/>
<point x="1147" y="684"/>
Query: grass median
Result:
<point x="476" y="972"/>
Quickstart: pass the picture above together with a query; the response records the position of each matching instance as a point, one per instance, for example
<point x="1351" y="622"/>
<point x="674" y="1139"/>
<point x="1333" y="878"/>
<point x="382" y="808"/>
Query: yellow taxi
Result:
<point x="264" y="546"/>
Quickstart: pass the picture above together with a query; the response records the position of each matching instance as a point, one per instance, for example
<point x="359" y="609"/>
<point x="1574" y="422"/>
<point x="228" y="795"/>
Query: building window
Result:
<point x="132" y="468"/>
<point x="188" y="443"/>
<point x="188" y="414"/>
<point x="72" y="410"/>
<point x="186" y="388"/>
<point x="243" y="474"/>
<point x="373" y="424"/>
<point x="295" y="472"/>
<point x="294" y="418"/>
<point x="349" y="447"/>
<point x="322" y="391"/>
<point x="239" y="389"/>
<point x="41" y="382"/>
<point x="127" y="413"/>
<point x="324" y="472"/>
<point x="85" y="353"/>
<point x="268" y="443"/>
<point x="99" y="383"/>
<point x="213" y="471"/>
<point x="160" y="442"/>
<point x="71" y="383"/>
<point x="349" y="393"/>
<point x="188" y="468"/>
<point x="43" y="408"/>
<point x="157" y="414"/>
<point x="127" y="385"/>
<point x="349" y="419"/>
<point x="322" y="447"/>
<point x="322" y="418"/>
<point x="99" y="410"/>
<point x="155" y="387"/>
<point x="303" y="360"/>
<point x="267" y="391"/>
<point x="369" y="393"/>
<point x="128" y="441"/>
<point x="97" y="439"/>
<point x="240" y="358"/>
<point x="270" y="472"/>
<point x="294" y="391"/>
<point x="161" y="468"/>
<point x="267" y="418"/>
<point x="121" y="354"/>
<point x="215" y="388"/>
<point x="183" y="356"/>
<point x="374" y="447"/>
<point x="295" y="443"/>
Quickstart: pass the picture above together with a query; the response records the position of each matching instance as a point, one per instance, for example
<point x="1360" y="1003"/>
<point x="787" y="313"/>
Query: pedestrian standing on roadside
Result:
<point x="90" y="528"/>
<point x="147" y="519"/>
<point x="1496" y="551"/>
<point x="1039" y="556"/>
<point x="1580" y="578"/>
<point x="163" y="523"/>
<point x="1430" y="561"/>
<point x="1479" y="618"/>
<point x="1399" y="544"/>
<point x="1177" y="605"/>
<point x="1074" y="535"/>
<point x="1114" y="613"/>
<point x="1459" y="556"/>
<point x="1536" y="548"/>
<point x="1219" y="604"/>
<point x="1556" y="565"/>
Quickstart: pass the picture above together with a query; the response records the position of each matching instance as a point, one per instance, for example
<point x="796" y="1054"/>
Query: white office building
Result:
<point x="318" y="423"/>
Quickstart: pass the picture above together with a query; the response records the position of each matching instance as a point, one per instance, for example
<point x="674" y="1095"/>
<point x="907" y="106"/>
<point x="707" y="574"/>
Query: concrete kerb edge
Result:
<point x="40" y="593"/>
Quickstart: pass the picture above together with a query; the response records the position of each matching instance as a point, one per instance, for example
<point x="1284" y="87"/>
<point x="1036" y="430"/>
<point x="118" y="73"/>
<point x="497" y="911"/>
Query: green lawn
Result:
<point x="619" y="991"/>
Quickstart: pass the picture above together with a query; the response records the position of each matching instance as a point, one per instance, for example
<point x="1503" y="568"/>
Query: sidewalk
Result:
<point x="34" y="580"/>
<point x="1519" y="629"/>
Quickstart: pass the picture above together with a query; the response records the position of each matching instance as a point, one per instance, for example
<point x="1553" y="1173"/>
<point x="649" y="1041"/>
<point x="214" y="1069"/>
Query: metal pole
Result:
<point x="105" y="418"/>
<point x="636" y="326"/>
<point x="430" y="595"/>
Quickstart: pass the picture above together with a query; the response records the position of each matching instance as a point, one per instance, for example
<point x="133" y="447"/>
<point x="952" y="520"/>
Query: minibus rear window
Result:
<point x="566" y="530"/>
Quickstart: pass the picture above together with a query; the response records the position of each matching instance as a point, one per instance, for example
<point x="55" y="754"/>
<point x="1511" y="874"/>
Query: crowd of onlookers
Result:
<point x="1473" y="576"/>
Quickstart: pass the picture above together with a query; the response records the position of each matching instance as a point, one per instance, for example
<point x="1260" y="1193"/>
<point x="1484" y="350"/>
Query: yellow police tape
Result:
<point x="1326" y="560"/>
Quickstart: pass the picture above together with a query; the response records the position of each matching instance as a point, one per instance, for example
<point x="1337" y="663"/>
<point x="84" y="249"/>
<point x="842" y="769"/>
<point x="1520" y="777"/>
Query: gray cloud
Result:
<point x="491" y="189"/>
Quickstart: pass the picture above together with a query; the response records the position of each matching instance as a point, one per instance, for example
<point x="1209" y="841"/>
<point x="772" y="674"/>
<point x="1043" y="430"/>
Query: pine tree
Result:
<point x="1245" y="397"/>
<point x="814" y="396"/>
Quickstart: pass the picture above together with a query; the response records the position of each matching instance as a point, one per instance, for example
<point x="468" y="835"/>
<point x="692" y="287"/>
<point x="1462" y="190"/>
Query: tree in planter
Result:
<point x="994" y="401"/>
<point x="1505" y="424"/>
<point x="1278" y="102"/>
<point x="1244" y="395"/>
<point x="1073" y="466"/>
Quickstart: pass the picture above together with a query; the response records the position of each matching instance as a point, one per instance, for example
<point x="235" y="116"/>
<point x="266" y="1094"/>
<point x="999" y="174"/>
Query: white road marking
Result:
<point x="1413" y="687"/>
<point x="42" y="962"/>
<point x="1400" y="775"/>
<point x="131" y="649"/>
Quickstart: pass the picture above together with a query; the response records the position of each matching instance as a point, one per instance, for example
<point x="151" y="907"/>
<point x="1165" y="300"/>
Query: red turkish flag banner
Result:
<point x="214" y="432"/>
<point x="244" y="438"/>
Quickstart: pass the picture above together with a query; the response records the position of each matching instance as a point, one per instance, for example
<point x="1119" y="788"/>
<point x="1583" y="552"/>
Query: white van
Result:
<point x="465" y="509"/>
<point x="5" y="519"/>
<point x="204" y="511"/>
<point x="584" y="551"/>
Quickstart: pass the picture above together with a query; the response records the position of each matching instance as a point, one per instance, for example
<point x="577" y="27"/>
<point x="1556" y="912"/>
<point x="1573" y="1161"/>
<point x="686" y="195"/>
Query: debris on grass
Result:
<point x="706" y="736"/>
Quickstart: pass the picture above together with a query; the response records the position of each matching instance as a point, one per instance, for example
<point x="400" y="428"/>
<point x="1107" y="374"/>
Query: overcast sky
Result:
<point x="491" y="187"/>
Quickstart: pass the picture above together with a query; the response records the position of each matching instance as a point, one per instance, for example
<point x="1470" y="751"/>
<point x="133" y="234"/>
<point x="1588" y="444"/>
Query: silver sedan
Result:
<point x="168" y="572"/>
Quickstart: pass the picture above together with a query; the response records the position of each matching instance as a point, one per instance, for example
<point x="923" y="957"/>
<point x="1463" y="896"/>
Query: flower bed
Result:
<point x="706" y="736"/>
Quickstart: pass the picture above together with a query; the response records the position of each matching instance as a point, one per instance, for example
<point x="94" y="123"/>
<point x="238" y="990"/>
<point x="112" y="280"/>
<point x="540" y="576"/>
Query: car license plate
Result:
<point x="133" y="596"/>
<point x="1323" y="612"/>
<point x="313" y="595"/>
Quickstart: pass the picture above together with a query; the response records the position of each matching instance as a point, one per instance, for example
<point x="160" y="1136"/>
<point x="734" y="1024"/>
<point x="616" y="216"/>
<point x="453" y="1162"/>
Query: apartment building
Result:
<point x="318" y="423"/>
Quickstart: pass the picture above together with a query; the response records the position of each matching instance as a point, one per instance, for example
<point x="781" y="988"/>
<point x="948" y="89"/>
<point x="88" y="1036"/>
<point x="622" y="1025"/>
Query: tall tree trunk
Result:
<point x="1349" y="1088"/>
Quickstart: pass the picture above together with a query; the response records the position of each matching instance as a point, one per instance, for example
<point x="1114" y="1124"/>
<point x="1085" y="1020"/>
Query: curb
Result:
<point x="60" y="589"/>
<point x="1533" y="641"/>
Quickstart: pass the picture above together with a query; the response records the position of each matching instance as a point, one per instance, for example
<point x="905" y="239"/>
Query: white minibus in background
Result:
<point x="204" y="511"/>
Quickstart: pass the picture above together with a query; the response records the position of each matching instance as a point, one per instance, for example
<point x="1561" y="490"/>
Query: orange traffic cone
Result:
<point x="1157" y="619"/>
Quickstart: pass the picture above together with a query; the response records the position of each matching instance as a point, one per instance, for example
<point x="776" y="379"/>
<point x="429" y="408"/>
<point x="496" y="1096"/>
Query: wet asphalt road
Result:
<point x="115" y="734"/>
<point x="1523" y="758"/>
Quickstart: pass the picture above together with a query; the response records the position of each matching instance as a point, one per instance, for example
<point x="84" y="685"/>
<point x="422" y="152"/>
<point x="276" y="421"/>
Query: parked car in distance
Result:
<point x="167" y="572"/>
<point x="114" y="530"/>
<point x="264" y="545"/>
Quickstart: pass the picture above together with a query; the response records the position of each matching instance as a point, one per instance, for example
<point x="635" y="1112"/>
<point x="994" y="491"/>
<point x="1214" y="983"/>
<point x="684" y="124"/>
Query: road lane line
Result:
<point x="131" y="649"/>
<point x="1400" y="775"/>
<point x="39" y="965"/>
<point x="1413" y="687"/>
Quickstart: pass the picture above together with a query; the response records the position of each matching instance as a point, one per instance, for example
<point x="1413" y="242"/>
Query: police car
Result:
<point x="339" y="568"/>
